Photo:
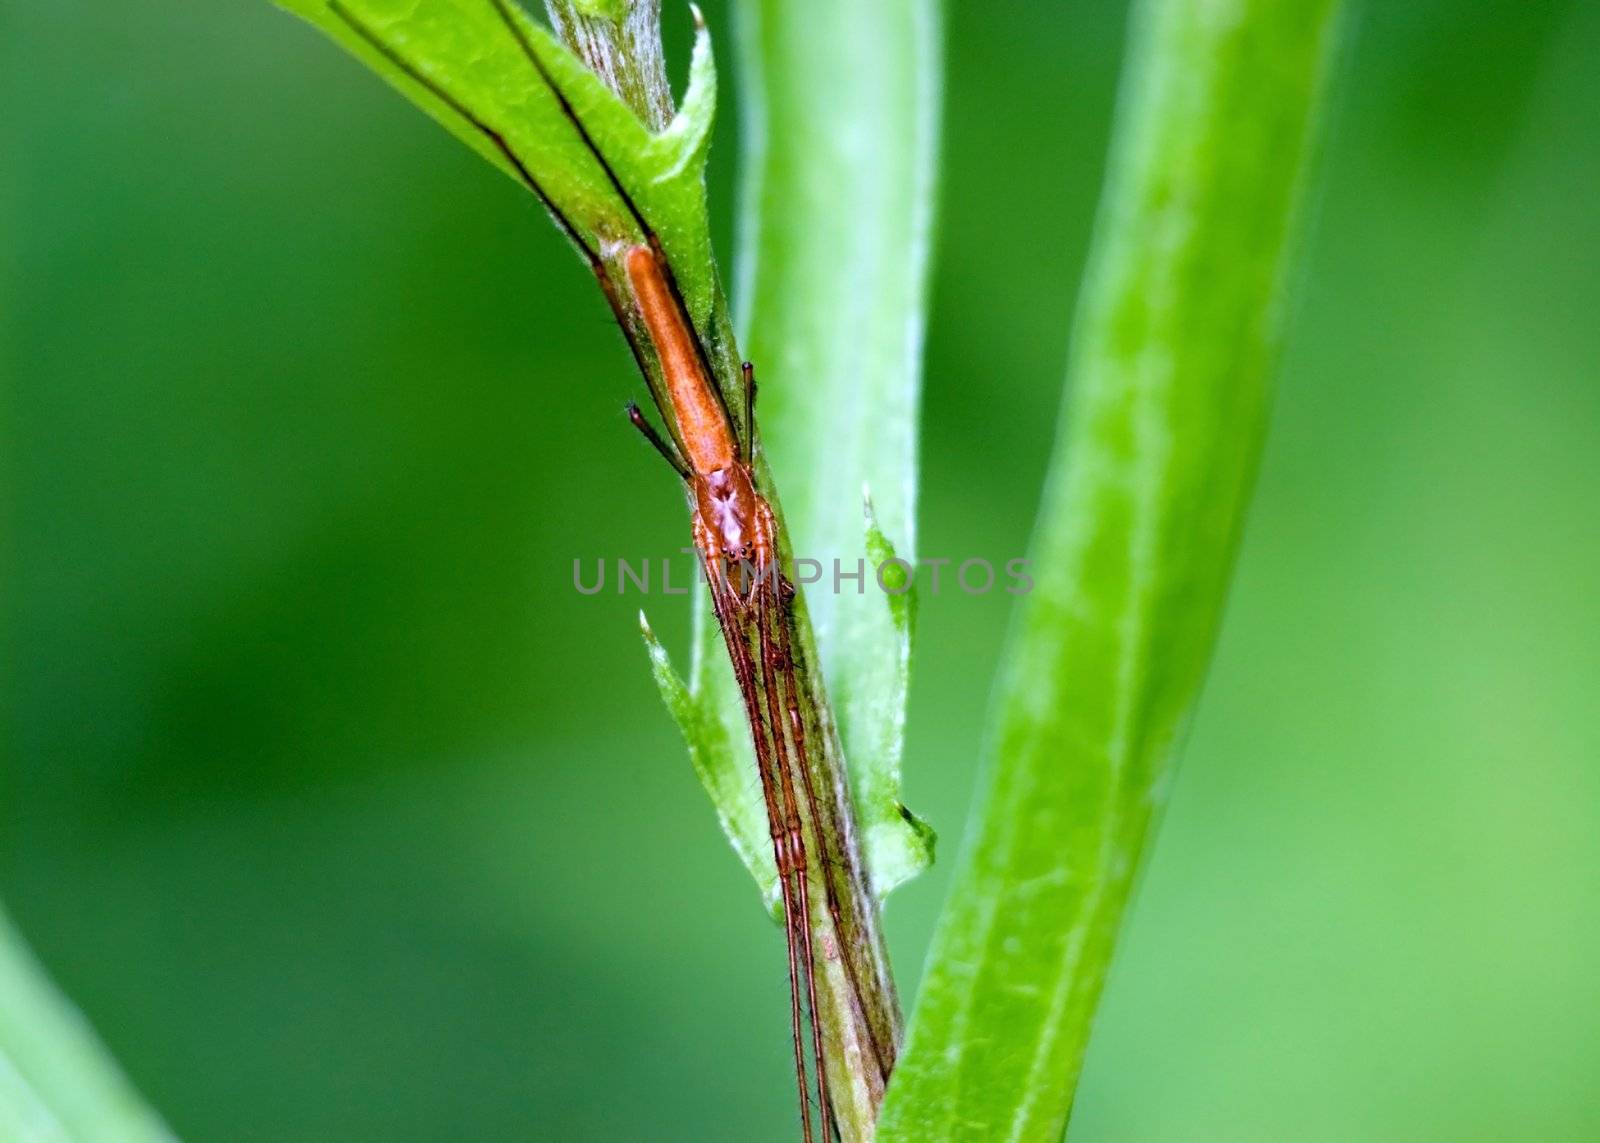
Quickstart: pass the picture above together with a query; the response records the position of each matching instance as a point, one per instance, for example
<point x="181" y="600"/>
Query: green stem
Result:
<point x="1167" y="396"/>
<point x="856" y="996"/>
<point x="620" y="40"/>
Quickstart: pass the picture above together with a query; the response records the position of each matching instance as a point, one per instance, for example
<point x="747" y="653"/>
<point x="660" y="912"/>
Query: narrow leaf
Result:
<point x="1172" y="352"/>
<point x="899" y="844"/>
<point x="841" y="118"/>
<point x="57" y="1083"/>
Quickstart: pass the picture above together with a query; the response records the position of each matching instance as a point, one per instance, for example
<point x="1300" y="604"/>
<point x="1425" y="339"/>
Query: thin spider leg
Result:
<point x="725" y="607"/>
<point x="669" y="452"/>
<point x="748" y="372"/>
<point x="769" y="678"/>
<point x="783" y="615"/>
<point x="609" y="289"/>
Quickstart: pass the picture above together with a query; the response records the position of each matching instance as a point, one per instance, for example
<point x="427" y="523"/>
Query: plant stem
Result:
<point x="1173" y="349"/>
<point x="859" y="1010"/>
<point x="620" y="40"/>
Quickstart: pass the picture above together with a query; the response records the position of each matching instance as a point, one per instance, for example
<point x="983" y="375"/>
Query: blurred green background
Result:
<point x="343" y="817"/>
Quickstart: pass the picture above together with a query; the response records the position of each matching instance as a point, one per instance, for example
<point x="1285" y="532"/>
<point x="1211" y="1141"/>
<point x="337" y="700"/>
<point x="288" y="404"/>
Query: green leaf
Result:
<point x="899" y="844"/>
<point x="467" y="50"/>
<point x="1172" y="351"/>
<point x="841" y="119"/>
<point x="56" y="1080"/>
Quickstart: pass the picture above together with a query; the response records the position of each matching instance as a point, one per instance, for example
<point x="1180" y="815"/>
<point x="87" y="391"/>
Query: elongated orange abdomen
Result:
<point x="707" y="435"/>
